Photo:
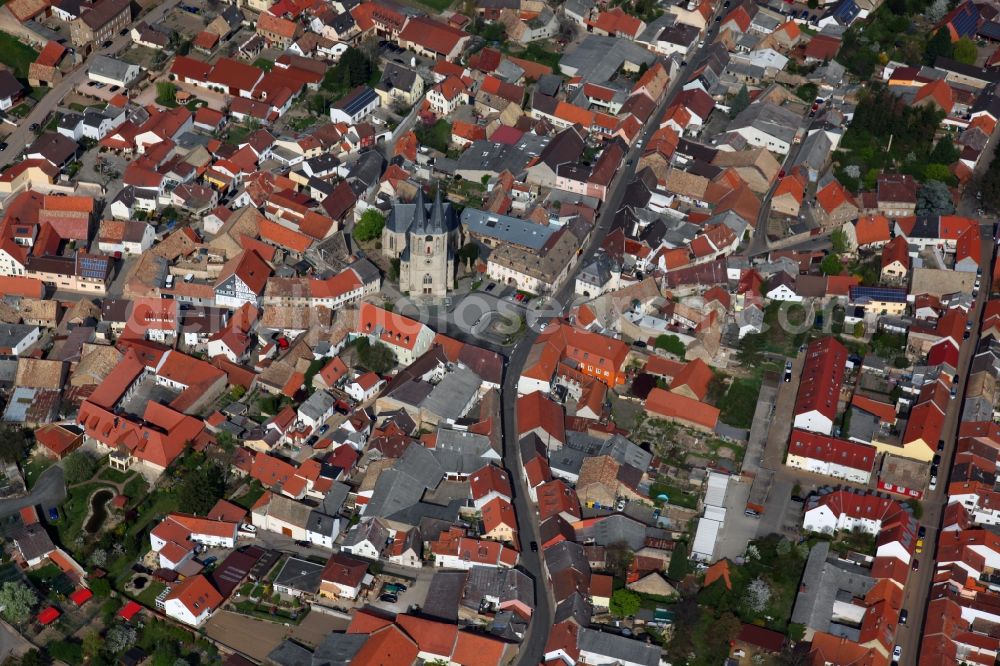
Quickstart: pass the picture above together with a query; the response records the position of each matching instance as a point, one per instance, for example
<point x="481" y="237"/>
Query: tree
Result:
<point x="120" y="638"/>
<point x="201" y="489"/>
<point x="936" y="11"/>
<point x="757" y="595"/>
<point x="839" y="241"/>
<point x="14" y="443"/>
<point x="17" y="600"/>
<point x="100" y="587"/>
<point x="469" y="253"/>
<point x="618" y="559"/>
<point x="678" y="568"/>
<point x="938" y="46"/>
<point x="740" y="101"/>
<point x="807" y="92"/>
<point x="933" y="198"/>
<point x="353" y="69"/>
<point x="625" y="603"/>
<point x="944" y="152"/>
<point x="376" y="356"/>
<point x="964" y="51"/>
<point x="751" y="350"/>
<point x="78" y="467"/>
<point x="670" y="343"/>
<point x="831" y="265"/>
<point x="70" y="652"/>
<point x="166" y="93"/>
<point x="93" y="643"/>
<point x="370" y="226"/>
<point x="859" y="329"/>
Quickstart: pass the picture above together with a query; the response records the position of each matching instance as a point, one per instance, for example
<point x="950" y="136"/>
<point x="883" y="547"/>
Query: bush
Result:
<point x="670" y="343"/>
<point x="78" y="467"/>
<point x="625" y="603"/>
<point x="370" y="226"/>
<point x="70" y="652"/>
<point x="376" y="356"/>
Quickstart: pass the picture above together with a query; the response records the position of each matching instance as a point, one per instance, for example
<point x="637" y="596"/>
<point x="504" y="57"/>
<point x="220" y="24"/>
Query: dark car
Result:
<point x="123" y="32"/>
<point x="394" y="588"/>
<point x="798" y="498"/>
<point x="312" y="440"/>
<point x="106" y="44"/>
<point x="3" y="145"/>
<point x="915" y="565"/>
<point x="303" y="544"/>
<point x="491" y="286"/>
<point x="323" y="428"/>
<point x="921" y="531"/>
<point x="534" y="546"/>
<point x="389" y="598"/>
<point x="211" y="559"/>
<point x="936" y="460"/>
<point x="934" y="469"/>
<point x="940" y="445"/>
<point x="33" y="127"/>
<point x="718" y="19"/>
<point x="903" y="614"/>
<point x="53" y="514"/>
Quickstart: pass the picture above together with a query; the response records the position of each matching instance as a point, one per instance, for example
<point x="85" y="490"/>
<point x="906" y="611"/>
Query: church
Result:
<point x="425" y="238"/>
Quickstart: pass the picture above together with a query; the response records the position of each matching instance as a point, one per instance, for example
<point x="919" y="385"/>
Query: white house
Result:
<point x="366" y="539"/>
<point x="405" y="549"/>
<point x="364" y="387"/>
<point x="112" y="72"/>
<point x="854" y="510"/>
<point x="12" y="258"/>
<point x="15" y="339"/>
<point x="319" y="407"/>
<point x="192" y="601"/>
<point x="358" y="105"/>
<point x="838" y="458"/>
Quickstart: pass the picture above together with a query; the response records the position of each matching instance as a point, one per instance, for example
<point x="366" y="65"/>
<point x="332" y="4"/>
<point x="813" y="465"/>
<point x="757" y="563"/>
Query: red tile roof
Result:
<point x="831" y="450"/>
<point x="822" y="377"/>
<point x="680" y="407"/>
<point x="432" y="35"/>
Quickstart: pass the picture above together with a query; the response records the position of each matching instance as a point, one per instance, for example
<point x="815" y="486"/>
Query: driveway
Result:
<point x="49" y="491"/>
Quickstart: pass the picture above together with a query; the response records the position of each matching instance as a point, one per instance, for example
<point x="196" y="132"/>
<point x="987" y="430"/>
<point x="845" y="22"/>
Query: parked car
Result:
<point x="534" y="546"/>
<point x="897" y="652"/>
<point x="920" y="545"/>
<point x="3" y="145"/>
<point x="491" y="286"/>
<point x="389" y="598"/>
<point x="921" y="531"/>
<point x="903" y="614"/>
<point x="395" y="587"/>
<point x="247" y="527"/>
<point x="210" y="560"/>
<point x="915" y="565"/>
<point x="53" y="514"/>
<point x="323" y="428"/>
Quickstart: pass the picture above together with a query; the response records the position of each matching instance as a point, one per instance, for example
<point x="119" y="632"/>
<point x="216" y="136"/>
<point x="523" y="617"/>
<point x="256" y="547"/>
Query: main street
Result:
<point x="22" y="136"/>
<point x="917" y="592"/>
<point x="533" y="645"/>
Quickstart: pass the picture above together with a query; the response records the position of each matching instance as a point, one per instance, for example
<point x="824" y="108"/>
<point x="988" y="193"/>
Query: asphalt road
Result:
<point x="49" y="491"/>
<point x="22" y="137"/>
<point x="533" y="645"/>
<point x="918" y="586"/>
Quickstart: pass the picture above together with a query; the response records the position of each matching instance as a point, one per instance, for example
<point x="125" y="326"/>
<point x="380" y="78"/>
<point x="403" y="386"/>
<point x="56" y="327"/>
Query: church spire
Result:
<point x="419" y="213"/>
<point x="437" y="224"/>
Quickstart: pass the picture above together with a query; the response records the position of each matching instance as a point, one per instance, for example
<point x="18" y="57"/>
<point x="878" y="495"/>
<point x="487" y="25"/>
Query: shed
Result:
<point x="49" y="615"/>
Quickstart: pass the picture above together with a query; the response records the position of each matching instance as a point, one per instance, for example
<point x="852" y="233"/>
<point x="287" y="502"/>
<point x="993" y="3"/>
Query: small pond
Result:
<point x="99" y="510"/>
<point x="139" y="582"/>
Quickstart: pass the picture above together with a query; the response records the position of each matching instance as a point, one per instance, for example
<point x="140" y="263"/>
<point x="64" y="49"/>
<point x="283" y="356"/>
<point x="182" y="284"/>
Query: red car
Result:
<point x="519" y="298"/>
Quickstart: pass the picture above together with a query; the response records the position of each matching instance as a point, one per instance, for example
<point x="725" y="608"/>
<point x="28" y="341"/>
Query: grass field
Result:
<point x="439" y="5"/>
<point x="740" y="402"/>
<point x="16" y="55"/>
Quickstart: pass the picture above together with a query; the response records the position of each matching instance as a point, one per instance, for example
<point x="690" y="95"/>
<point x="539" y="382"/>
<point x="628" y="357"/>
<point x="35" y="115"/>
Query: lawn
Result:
<point x="16" y="55"/>
<point x="148" y="596"/>
<point x="34" y="468"/>
<point x="740" y="402"/>
<point x="114" y="475"/>
<point x="438" y="5"/>
<point x="264" y="64"/>
<point x="250" y="497"/>
<point x="238" y="134"/>
<point x="543" y="53"/>
<point x="678" y="497"/>
<point x="161" y="504"/>
<point x="136" y="488"/>
<point x="74" y="511"/>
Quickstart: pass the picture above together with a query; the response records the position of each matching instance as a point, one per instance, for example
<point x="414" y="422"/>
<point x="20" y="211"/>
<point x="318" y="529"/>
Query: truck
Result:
<point x="759" y="491"/>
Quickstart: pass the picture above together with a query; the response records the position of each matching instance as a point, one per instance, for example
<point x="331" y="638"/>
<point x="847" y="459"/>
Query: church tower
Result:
<point x="427" y="265"/>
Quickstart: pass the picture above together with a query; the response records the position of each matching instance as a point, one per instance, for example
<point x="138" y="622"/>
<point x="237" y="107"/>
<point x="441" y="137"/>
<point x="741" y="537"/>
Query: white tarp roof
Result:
<point x="716" y="493"/>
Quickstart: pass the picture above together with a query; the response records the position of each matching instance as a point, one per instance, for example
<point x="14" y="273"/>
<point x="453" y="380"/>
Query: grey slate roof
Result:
<point x="420" y="217"/>
<point x="774" y="120"/>
<point x="617" y="647"/>
<point x="824" y="581"/>
<point x="300" y="575"/>
<point x="452" y="394"/>
<point x="112" y="68"/>
<point x="614" y="529"/>
<point x="506" y="229"/>
<point x="444" y="595"/>
<point x="485" y="155"/>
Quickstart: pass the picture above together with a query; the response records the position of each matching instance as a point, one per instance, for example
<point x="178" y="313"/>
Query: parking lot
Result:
<point x="413" y="597"/>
